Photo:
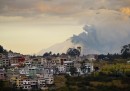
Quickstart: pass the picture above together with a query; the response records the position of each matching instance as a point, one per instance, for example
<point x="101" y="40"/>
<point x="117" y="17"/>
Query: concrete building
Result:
<point x="26" y="84"/>
<point x="61" y="69"/>
<point x="5" y="62"/>
<point x="41" y="83"/>
<point x="2" y="74"/>
<point x="68" y="65"/>
<point x="49" y="79"/>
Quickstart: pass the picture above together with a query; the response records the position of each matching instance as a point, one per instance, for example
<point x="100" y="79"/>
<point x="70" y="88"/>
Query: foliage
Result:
<point x="2" y="50"/>
<point x="114" y="76"/>
<point x="125" y="51"/>
<point x="73" y="70"/>
<point x="73" y="52"/>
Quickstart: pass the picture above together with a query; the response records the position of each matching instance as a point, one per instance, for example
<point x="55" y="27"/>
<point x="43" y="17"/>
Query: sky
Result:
<point x="28" y="26"/>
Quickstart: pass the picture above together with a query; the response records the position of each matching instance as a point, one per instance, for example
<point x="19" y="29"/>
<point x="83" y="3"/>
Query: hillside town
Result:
<point x="37" y="72"/>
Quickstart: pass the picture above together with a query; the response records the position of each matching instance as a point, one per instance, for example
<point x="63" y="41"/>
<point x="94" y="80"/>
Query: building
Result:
<point x="12" y="54"/>
<point x="41" y="83"/>
<point x="17" y="61"/>
<point x="91" y="57"/>
<point x="68" y="65"/>
<point x="5" y="62"/>
<point x="49" y="79"/>
<point x="34" y="84"/>
<point x="87" y="68"/>
<point x="61" y="69"/>
<point x="2" y="74"/>
<point x="26" y="84"/>
<point x="28" y="63"/>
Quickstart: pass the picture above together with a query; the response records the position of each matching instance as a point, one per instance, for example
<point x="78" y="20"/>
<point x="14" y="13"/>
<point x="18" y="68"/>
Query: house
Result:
<point x="48" y="65"/>
<point x="17" y="61"/>
<point x="49" y="79"/>
<point x="60" y="60"/>
<point x="34" y="84"/>
<point x="14" y="79"/>
<point x="43" y="60"/>
<point x="27" y="57"/>
<point x="28" y="63"/>
<point x="18" y="82"/>
<point x="5" y="62"/>
<point x="26" y="84"/>
<point x="87" y="68"/>
<point x="13" y="54"/>
<point x="77" y="65"/>
<point x="32" y="71"/>
<point x="24" y="71"/>
<point x="41" y="83"/>
<point x="128" y="61"/>
<point x="14" y="62"/>
<point x="28" y="71"/>
<point x="61" y="69"/>
<point x="36" y="61"/>
<point x="2" y="74"/>
<point x="92" y="57"/>
<point x="68" y="65"/>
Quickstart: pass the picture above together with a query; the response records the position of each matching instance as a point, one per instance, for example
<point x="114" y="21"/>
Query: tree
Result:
<point x="83" y="67"/>
<point x="54" y="55"/>
<point x="73" y="52"/>
<point x="125" y="51"/>
<point x="73" y="70"/>
<point x="50" y="53"/>
<point x="46" y="54"/>
<point x="58" y="54"/>
<point x="1" y="49"/>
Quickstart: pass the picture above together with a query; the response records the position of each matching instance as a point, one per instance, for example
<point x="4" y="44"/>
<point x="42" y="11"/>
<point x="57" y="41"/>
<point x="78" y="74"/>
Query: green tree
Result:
<point x="1" y="49"/>
<point x="125" y="51"/>
<point x="73" y="70"/>
<point x="73" y="52"/>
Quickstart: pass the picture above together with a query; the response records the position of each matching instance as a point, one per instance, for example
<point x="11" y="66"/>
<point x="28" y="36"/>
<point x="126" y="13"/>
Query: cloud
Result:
<point x="32" y="8"/>
<point x="110" y="27"/>
<point x="108" y="12"/>
<point x="52" y="9"/>
<point x="110" y="18"/>
<point x="125" y="10"/>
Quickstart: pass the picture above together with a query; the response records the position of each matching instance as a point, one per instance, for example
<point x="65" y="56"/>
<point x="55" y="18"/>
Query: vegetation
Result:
<point x="73" y="71"/>
<point x="5" y="86"/>
<point x="125" y="51"/>
<point x="73" y="52"/>
<point x="112" y="76"/>
<point x="113" y="73"/>
<point x="2" y="50"/>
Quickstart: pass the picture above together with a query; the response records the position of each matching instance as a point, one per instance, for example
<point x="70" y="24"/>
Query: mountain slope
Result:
<point x="90" y="42"/>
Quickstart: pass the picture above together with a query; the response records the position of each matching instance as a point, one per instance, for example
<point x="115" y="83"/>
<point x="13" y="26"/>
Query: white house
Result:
<point x="26" y="84"/>
<point x="61" y="68"/>
<point x="12" y="54"/>
<point x="24" y="71"/>
<point x="68" y="65"/>
<point x="91" y="57"/>
<point x="28" y="63"/>
<point x="49" y="79"/>
<point x="41" y="83"/>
